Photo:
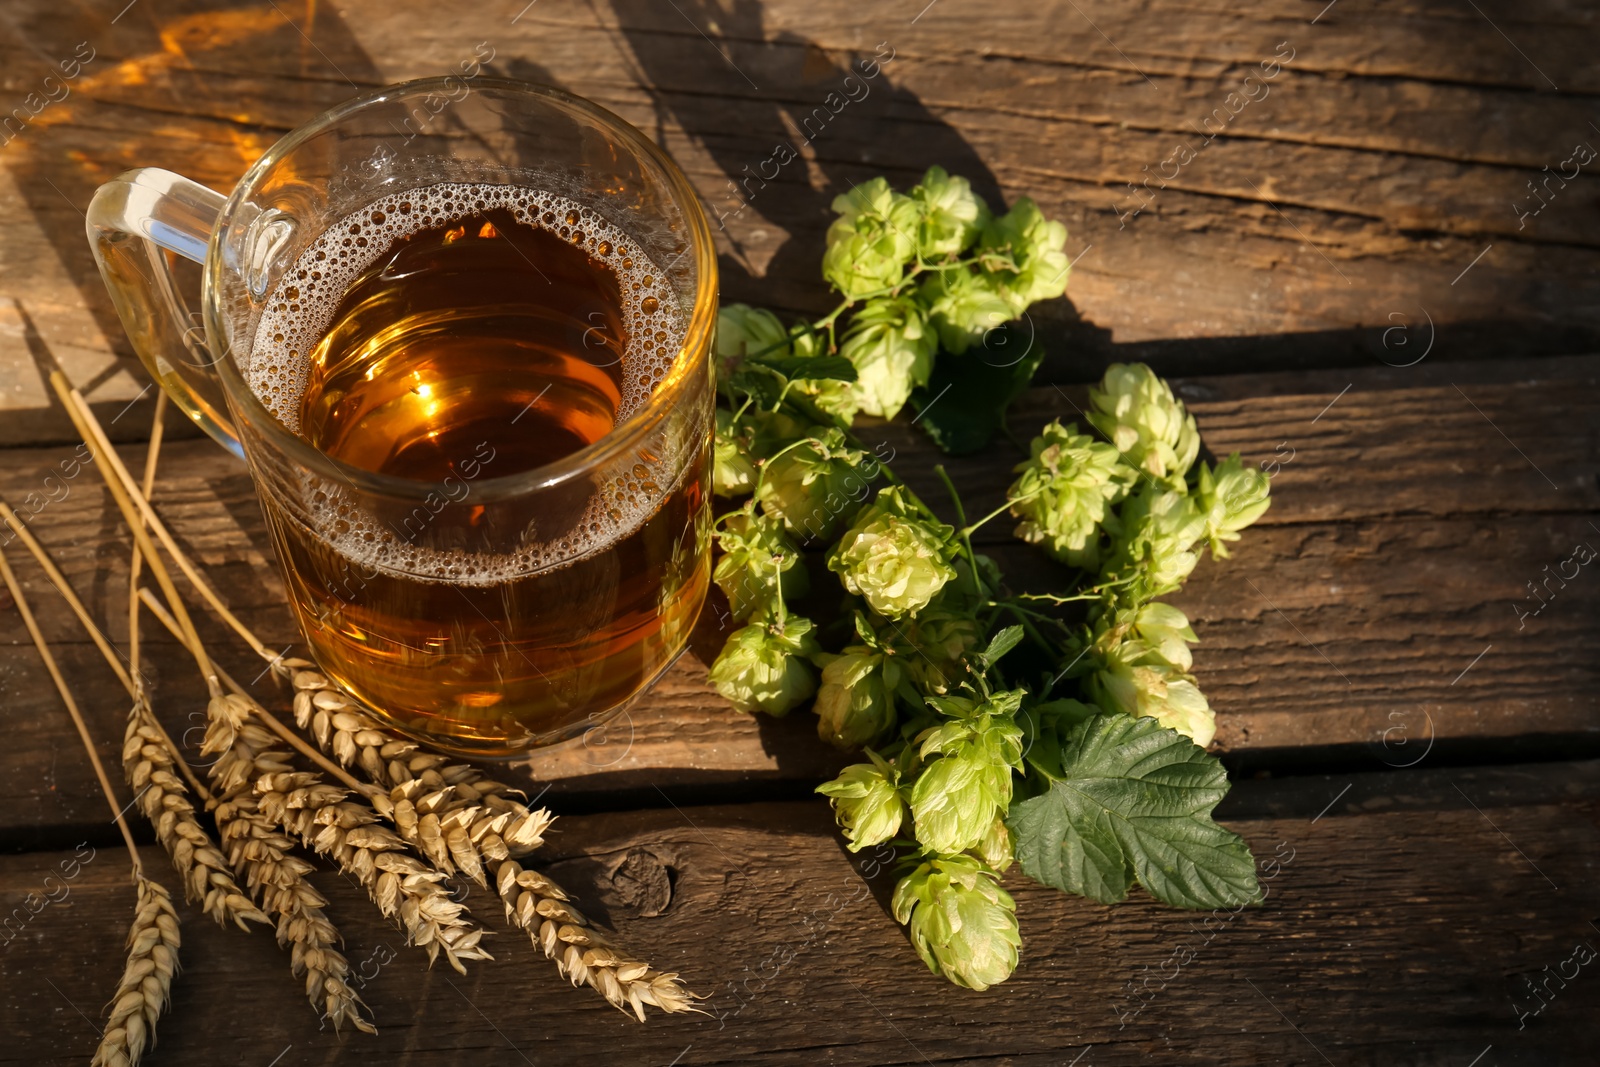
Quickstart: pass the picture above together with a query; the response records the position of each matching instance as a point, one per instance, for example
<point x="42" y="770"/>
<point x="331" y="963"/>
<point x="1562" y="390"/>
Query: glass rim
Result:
<point x="697" y="337"/>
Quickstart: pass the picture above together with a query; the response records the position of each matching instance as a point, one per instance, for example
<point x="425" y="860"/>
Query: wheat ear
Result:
<point x="146" y="985"/>
<point x="452" y="811"/>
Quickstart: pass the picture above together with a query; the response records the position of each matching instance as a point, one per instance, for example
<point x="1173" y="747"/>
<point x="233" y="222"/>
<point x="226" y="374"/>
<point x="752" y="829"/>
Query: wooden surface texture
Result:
<point x="1353" y="283"/>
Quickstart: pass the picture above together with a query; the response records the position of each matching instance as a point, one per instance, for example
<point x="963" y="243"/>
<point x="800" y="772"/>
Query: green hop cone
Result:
<point x="770" y="431"/>
<point x="1164" y="630"/>
<point x="733" y="470"/>
<point x="812" y="487"/>
<point x="951" y="214"/>
<point x="866" y="801"/>
<point x="892" y="347"/>
<point x="964" y="306"/>
<point x="1063" y="491"/>
<point x="757" y="560"/>
<point x="964" y="926"/>
<point x="1154" y="550"/>
<point x="871" y="241"/>
<point x="966" y="783"/>
<point x="893" y="557"/>
<point x="1150" y="427"/>
<point x="767" y="667"/>
<point x="940" y="642"/>
<point x="745" y="331"/>
<point x="1232" y="496"/>
<point x="1025" y="252"/>
<point x="856" y="704"/>
<point x="995" y="848"/>
<point x="1140" y="667"/>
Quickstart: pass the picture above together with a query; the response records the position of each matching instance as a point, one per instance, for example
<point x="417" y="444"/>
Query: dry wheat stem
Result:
<point x="152" y="456"/>
<point x="146" y="983"/>
<point x="39" y="642"/>
<point x="261" y="851"/>
<point x="25" y="535"/>
<point x="68" y="594"/>
<point x="153" y="938"/>
<point x="118" y="483"/>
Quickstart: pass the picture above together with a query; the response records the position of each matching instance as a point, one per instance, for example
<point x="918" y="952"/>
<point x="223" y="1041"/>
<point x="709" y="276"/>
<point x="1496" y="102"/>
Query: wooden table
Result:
<point x="1348" y="279"/>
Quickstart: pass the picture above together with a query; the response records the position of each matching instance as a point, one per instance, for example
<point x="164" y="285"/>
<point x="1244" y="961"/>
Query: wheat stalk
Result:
<point x="153" y="938"/>
<point x="538" y="906"/>
<point x="257" y="846"/>
<point x="479" y="828"/>
<point x="206" y="875"/>
<point x="451" y="811"/>
<point x="149" y="757"/>
<point x="402" y="886"/>
<point x="146" y="985"/>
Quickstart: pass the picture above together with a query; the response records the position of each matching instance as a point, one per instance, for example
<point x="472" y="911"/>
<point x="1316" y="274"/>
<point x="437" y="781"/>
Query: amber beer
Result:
<point x="471" y="339"/>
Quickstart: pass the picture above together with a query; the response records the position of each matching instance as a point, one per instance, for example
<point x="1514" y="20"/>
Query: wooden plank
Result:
<point x="1404" y="918"/>
<point x="1370" y="182"/>
<point x="1349" y="625"/>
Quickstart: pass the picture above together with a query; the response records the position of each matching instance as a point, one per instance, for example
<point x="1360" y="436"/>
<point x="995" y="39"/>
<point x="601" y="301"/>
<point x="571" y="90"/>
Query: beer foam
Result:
<point x="301" y="307"/>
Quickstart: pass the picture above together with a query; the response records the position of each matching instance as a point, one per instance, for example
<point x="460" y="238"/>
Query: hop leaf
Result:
<point x="1138" y="413"/>
<point x="893" y="557"/>
<point x="1232" y="496"/>
<point x="962" y="923"/>
<point x="1063" y="492"/>
<point x="733" y="470"/>
<point x="856" y="704"/>
<point x="892" y="348"/>
<point x="1127" y="800"/>
<point x="766" y="667"/>
<point x="952" y="215"/>
<point x="833" y="396"/>
<point x="871" y="241"/>
<point x="967" y="783"/>
<point x="757" y="560"/>
<point x="866" y="800"/>
<point x="965" y="305"/>
<point x="813" y="486"/>
<point x="1024" y="250"/>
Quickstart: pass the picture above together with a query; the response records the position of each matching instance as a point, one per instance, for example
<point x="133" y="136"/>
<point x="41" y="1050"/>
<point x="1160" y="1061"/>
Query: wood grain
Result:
<point x="1398" y="929"/>
<point x="1373" y="615"/>
<point x="1388" y="154"/>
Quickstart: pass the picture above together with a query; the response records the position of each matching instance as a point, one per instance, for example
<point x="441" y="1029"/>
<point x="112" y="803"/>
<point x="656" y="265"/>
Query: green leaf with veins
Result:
<point x="1132" y="799"/>
<point x="808" y="368"/>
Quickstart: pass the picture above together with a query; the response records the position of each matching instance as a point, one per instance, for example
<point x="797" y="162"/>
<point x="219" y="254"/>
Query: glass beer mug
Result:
<point x="460" y="331"/>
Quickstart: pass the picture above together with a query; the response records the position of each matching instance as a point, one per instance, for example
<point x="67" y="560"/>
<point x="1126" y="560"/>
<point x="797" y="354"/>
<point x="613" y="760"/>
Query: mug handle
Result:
<point x="136" y="223"/>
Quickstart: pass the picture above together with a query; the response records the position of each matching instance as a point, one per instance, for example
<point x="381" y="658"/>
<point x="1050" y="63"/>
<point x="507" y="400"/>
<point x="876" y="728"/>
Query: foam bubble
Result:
<point x="301" y="307"/>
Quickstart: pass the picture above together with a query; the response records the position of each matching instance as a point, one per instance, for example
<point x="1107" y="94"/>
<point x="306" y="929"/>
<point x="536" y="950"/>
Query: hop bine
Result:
<point x="992" y="720"/>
